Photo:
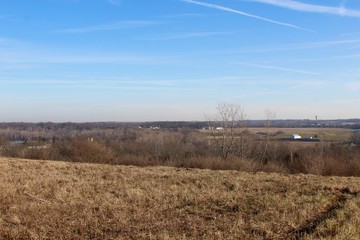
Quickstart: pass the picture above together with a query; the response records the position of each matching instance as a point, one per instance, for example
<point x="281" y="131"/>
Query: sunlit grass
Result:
<point x="56" y="200"/>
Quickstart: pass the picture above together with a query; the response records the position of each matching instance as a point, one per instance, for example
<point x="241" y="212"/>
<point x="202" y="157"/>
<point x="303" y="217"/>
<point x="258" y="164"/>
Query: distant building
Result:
<point x="295" y="136"/>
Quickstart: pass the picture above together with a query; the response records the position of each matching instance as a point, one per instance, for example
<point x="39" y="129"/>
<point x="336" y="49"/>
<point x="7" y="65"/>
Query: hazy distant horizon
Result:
<point x="351" y="121"/>
<point x="136" y="60"/>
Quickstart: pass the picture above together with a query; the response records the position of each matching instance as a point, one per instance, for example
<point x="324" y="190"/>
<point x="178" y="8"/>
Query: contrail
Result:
<point x="209" y="5"/>
<point x="276" y="68"/>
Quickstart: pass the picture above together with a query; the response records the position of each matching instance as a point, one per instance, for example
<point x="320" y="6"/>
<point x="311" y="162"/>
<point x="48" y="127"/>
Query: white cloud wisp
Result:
<point x="305" y="7"/>
<point x="106" y="27"/>
<point x="277" y="68"/>
<point x="114" y="2"/>
<point x="214" y="6"/>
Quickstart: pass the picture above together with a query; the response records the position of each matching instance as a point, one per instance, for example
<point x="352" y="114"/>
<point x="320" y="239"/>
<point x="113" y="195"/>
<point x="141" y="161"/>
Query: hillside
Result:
<point x="57" y="200"/>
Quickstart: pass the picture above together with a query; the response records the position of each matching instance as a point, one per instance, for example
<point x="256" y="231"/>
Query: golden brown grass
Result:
<point x="56" y="200"/>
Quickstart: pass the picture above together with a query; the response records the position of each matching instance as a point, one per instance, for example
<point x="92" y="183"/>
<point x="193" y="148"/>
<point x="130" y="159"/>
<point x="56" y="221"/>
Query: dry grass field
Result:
<point x="57" y="200"/>
<point x="325" y="134"/>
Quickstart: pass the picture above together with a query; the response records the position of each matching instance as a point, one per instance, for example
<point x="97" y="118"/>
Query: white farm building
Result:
<point x="295" y="136"/>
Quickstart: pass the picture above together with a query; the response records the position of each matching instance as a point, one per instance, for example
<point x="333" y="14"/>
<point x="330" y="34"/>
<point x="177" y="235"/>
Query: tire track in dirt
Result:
<point x="343" y="196"/>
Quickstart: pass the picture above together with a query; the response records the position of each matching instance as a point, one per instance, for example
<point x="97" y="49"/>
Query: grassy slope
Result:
<point x="55" y="200"/>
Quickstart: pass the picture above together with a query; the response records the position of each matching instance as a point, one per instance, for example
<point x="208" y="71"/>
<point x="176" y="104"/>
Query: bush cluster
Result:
<point x="193" y="149"/>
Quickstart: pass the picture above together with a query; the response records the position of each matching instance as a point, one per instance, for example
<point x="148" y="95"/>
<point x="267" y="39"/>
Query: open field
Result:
<point x="325" y="134"/>
<point x="57" y="200"/>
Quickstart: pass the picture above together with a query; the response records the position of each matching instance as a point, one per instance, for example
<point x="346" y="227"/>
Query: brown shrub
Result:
<point x="13" y="151"/>
<point x="339" y="160"/>
<point x="193" y="149"/>
<point x="82" y="151"/>
<point x="34" y="153"/>
<point x="92" y="152"/>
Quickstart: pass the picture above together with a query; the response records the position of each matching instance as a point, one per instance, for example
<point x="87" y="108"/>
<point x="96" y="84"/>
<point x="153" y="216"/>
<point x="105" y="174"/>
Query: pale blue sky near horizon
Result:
<point x="163" y="60"/>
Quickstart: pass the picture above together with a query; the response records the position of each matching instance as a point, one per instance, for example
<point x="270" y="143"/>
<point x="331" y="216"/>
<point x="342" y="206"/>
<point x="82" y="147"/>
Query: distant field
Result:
<point x="326" y="134"/>
<point x="56" y="200"/>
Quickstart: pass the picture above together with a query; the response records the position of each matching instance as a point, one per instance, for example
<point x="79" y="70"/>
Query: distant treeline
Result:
<point x="292" y="123"/>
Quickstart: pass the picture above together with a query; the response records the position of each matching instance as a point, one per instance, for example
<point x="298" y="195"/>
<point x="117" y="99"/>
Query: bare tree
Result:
<point x="270" y="116"/>
<point x="355" y="139"/>
<point x="223" y="127"/>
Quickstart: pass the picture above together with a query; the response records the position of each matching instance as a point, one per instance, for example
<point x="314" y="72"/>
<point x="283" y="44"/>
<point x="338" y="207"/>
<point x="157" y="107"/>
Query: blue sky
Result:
<point x="146" y="60"/>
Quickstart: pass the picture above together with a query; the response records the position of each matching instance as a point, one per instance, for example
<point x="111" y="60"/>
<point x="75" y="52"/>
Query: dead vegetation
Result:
<point x="58" y="200"/>
<point x="193" y="149"/>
